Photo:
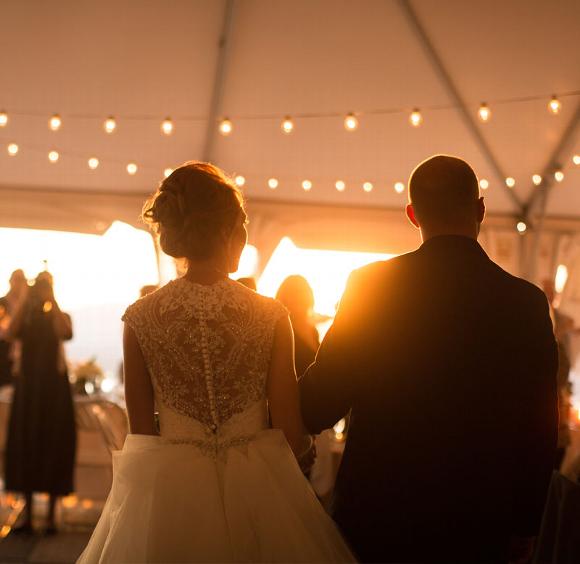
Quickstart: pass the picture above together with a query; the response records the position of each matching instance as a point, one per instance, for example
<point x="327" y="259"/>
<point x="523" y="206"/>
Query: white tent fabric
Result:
<point x="141" y="61"/>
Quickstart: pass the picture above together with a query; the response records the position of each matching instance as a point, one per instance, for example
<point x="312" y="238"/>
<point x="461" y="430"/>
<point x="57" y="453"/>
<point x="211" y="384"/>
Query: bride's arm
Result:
<point x="138" y="387"/>
<point x="283" y="395"/>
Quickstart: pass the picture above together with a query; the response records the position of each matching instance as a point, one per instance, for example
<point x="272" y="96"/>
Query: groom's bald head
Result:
<point x="444" y="192"/>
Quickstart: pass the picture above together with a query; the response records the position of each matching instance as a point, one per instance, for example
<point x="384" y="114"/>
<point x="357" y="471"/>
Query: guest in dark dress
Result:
<point x="296" y="295"/>
<point x="8" y="303"/>
<point x="40" y="449"/>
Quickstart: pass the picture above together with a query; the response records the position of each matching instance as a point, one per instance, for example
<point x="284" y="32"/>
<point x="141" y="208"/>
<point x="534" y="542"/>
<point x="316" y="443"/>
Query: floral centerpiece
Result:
<point x="86" y="377"/>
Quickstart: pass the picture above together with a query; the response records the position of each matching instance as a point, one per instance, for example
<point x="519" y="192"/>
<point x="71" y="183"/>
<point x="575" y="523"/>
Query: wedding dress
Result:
<point x="217" y="485"/>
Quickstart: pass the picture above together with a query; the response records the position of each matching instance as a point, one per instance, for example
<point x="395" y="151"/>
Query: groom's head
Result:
<point x="444" y="198"/>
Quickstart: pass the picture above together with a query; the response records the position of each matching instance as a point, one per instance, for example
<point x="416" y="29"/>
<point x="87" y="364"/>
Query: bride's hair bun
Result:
<point x="194" y="210"/>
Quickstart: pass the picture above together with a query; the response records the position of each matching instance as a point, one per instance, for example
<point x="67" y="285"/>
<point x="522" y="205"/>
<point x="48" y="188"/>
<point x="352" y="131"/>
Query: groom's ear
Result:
<point x="411" y="215"/>
<point x="480" y="210"/>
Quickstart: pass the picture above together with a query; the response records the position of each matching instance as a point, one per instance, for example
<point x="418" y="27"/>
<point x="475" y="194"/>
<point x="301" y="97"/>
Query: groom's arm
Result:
<point x="327" y="387"/>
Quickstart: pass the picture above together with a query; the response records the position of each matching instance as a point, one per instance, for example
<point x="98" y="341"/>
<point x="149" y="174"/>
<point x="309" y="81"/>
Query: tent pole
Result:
<point x="541" y="194"/>
<point x="455" y="96"/>
<point x="219" y="79"/>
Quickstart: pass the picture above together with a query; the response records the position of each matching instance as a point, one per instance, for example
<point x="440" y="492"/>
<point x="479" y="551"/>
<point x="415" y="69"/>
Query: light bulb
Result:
<point x="12" y="149"/>
<point x="368" y="186"/>
<point x="273" y="183"/>
<point x="306" y="185"/>
<point x="484" y="112"/>
<point x="576" y="160"/>
<point x="350" y="122"/>
<point x="340" y="185"/>
<point x="536" y="179"/>
<point x="110" y="124"/>
<point x="226" y="126"/>
<point x="167" y="126"/>
<point x="3" y="118"/>
<point x="415" y="119"/>
<point x="167" y="172"/>
<point x="554" y="105"/>
<point x="521" y="227"/>
<point x="510" y="182"/>
<point x="93" y="163"/>
<point x="239" y="180"/>
<point x="132" y="169"/>
<point x="559" y="176"/>
<point x="55" y="122"/>
<point x="53" y="156"/>
<point x="399" y="187"/>
<point x="484" y="184"/>
<point x="287" y="125"/>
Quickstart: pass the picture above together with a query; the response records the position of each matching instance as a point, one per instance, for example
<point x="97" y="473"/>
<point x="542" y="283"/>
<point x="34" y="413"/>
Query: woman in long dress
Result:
<point x="217" y="484"/>
<point x="41" y="442"/>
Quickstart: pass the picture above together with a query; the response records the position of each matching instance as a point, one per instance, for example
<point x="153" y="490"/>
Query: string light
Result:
<point x="350" y="122"/>
<point x="559" y="176"/>
<point x="226" y="126"/>
<point x="287" y="125"/>
<point x="510" y="182"/>
<point x="340" y="185"/>
<point x="368" y="187"/>
<point x="536" y="179"/>
<point x="239" y="180"/>
<point x="110" y="124"/>
<point x="93" y="163"/>
<point x="554" y="105"/>
<point x="576" y="160"/>
<point x="521" y="227"/>
<point x="484" y="112"/>
<point x="12" y="149"/>
<point x="306" y="185"/>
<point x="399" y="187"/>
<point x="53" y="156"/>
<point x="416" y="119"/>
<point x="3" y="119"/>
<point x="167" y="172"/>
<point x="273" y="183"/>
<point x="167" y="126"/>
<point x="55" y="122"/>
<point x="484" y="184"/>
<point x="132" y="169"/>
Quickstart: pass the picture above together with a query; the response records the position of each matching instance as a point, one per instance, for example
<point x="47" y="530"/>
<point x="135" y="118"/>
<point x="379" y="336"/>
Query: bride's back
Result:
<point x="207" y="349"/>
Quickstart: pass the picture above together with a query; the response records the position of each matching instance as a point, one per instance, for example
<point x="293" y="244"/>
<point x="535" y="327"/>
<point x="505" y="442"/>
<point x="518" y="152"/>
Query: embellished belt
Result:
<point x="214" y="448"/>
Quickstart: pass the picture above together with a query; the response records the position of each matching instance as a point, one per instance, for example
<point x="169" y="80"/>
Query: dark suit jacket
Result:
<point x="448" y="365"/>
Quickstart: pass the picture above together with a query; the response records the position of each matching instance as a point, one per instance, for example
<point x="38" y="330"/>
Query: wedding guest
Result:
<point x="448" y="364"/>
<point x="8" y="304"/>
<point x="296" y="295"/>
<point x="41" y="442"/>
<point x="562" y="326"/>
<point x="147" y="289"/>
<point x="248" y="282"/>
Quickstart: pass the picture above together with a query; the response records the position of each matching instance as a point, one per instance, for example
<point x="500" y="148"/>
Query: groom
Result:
<point x="448" y="366"/>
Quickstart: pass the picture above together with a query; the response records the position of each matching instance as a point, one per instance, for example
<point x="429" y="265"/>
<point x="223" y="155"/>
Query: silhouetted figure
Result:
<point x="248" y="282"/>
<point x="40" y="448"/>
<point x="147" y="289"/>
<point x="562" y="326"/>
<point x="296" y="295"/>
<point x="8" y="303"/>
<point x="449" y="366"/>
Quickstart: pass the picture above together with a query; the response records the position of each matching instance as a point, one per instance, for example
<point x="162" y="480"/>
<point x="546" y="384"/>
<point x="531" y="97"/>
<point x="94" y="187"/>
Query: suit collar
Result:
<point x="453" y="242"/>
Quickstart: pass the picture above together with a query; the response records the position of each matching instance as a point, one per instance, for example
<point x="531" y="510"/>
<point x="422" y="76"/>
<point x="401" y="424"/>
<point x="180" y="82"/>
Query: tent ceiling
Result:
<point x="150" y="58"/>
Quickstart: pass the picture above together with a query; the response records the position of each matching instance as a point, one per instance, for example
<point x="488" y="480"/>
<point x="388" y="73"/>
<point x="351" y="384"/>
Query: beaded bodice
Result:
<point x="208" y="350"/>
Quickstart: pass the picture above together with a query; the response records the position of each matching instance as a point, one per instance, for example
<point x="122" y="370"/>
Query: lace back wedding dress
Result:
<point x="217" y="485"/>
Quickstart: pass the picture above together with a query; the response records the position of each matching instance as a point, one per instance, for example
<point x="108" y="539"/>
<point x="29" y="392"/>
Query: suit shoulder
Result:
<point x="526" y="291"/>
<point x="383" y="268"/>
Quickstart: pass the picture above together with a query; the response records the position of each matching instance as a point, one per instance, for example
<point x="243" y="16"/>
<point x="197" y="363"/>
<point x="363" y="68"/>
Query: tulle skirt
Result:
<point x="177" y="503"/>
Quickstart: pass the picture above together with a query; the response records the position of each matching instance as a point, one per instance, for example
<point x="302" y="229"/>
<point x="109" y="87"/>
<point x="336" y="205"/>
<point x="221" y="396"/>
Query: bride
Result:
<point x="219" y="481"/>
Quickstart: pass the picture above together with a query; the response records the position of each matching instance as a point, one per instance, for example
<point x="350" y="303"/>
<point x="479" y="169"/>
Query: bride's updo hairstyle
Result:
<point x="194" y="211"/>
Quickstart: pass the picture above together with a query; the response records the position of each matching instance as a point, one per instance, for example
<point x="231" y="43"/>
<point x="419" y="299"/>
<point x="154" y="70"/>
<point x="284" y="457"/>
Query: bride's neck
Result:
<point x="205" y="272"/>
